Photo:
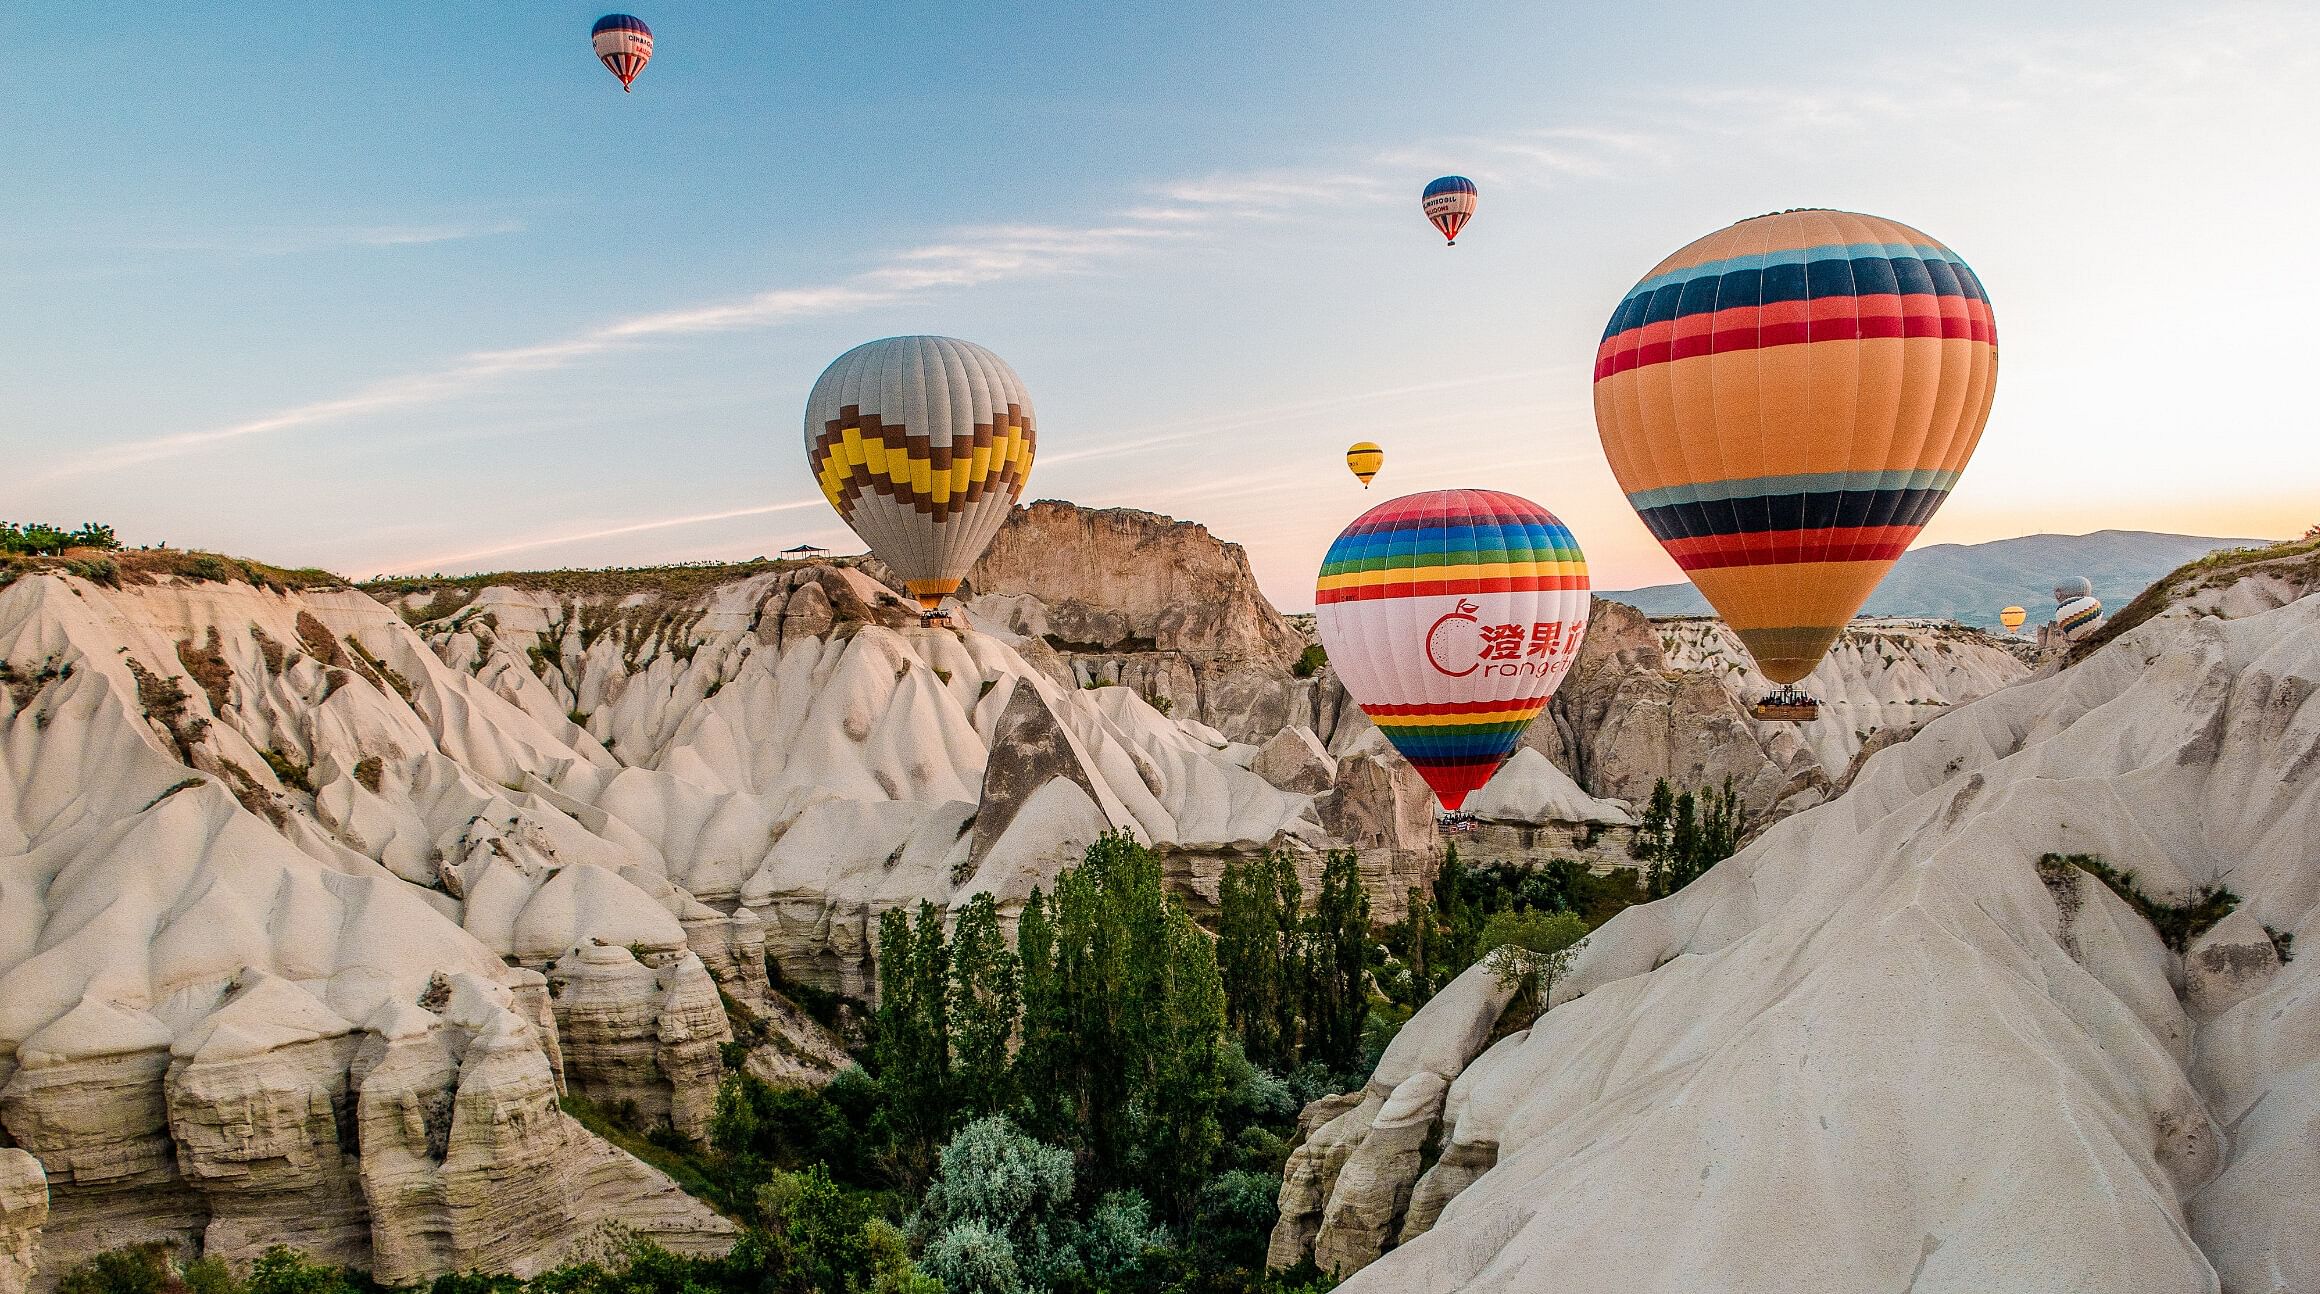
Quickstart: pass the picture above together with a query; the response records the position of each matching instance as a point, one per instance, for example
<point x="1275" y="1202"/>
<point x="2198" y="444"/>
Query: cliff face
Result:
<point x="1149" y="603"/>
<point x="1119" y="579"/>
<point x="1885" y="1043"/>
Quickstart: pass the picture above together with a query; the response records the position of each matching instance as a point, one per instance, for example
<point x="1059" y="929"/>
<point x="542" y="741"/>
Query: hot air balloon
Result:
<point x="1363" y="458"/>
<point x="2013" y="618"/>
<point x="2073" y="588"/>
<point x="1451" y="616"/>
<point x="624" y="44"/>
<point x="1449" y="203"/>
<point x="2078" y="618"/>
<point x="922" y="444"/>
<point x="1785" y="403"/>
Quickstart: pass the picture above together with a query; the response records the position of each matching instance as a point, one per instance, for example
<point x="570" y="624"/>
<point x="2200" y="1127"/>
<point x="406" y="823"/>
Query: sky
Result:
<point x="413" y="288"/>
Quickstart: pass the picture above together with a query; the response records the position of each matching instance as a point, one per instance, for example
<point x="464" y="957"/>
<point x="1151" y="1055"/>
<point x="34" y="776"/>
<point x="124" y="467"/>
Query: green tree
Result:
<point x="986" y="997"/>
<point x="999" y="1188"/>
<point x="1043" y="1055"/>
<point x="820" y="1233"/>
<point x="1237" y="1212"/>
<point x="1679" y="837"/>
<point x="1337" y="948"/>
<point x="911" y="1047"/>
<point x="1654" y="841"/>
<point x="1123" y="1050"/>
<point x="1255" y="950"/>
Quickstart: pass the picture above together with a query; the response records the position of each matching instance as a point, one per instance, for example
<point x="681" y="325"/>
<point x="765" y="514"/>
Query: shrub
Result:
<point x="1117" y="1239"/>
<point x="281" y="1270"/>
<point x="970" y="1258"/>
<point x="138" y="1269"/>
<point x="1310" y="661"/>
<point x="1529" y="951"/>
<point x="2177" y="923"/>
<point x="1000" y="1179"/>
<point x="1237" y="1211"/>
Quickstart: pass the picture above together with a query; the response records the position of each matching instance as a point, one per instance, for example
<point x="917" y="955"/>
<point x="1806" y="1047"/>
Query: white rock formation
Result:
<point x="1348" y="1184"/>
<point x="1880" y="675"/>
<point x="286" y="884"/>
<point x="1881" y="1048"/>
<point x="1528" y="788"/>
<point x="196" y="973"/>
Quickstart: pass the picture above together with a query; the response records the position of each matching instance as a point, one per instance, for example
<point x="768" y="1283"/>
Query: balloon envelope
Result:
<point x="1449" y="203"/>
<point x="1363" y="458"/>
<point x="2078" y="618"/>
<point x="624" y="44"/>
<point x="922" y="444"/>
<point x="2013" y="618"/>
<point x="2077" y="586"/>
<point x="1451" y="616"/>
<point x="1785" y="403"/>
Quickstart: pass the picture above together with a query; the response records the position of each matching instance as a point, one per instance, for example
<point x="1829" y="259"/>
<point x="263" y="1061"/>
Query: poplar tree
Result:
<point x="1337" y="969"/>
<point x="985" y="996"/>
<point x="911" y="1049"/>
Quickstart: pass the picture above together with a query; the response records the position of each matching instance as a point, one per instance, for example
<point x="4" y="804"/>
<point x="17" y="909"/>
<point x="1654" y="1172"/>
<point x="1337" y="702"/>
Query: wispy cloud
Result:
<point x="971" y="258"/>
<point x="443" y="561"/>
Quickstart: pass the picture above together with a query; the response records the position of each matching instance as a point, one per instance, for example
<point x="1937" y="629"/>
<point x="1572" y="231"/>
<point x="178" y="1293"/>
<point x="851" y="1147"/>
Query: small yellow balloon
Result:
<point x="1364" y="458"/>
<point x="2012" y="618"/>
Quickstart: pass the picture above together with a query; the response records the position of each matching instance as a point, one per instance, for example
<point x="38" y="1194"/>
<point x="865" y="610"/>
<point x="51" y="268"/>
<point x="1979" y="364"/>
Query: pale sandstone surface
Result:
<point x="23" y="1211"/>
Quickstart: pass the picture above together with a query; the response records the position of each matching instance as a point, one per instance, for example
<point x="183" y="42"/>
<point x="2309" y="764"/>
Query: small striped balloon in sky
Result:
<point x="1449" y="203"/>
<point x="624" y="44"/>
<point x="1451" y="616"/>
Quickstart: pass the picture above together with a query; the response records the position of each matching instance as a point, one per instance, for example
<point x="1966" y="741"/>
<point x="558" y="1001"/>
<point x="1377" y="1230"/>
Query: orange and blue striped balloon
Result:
<point x="1451" y="616"/>
<point x="1786" y="402"/>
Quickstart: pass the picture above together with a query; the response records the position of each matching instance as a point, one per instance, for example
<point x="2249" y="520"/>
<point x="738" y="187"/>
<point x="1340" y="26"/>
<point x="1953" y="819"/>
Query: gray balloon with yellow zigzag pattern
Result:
<point x="922" y="444"/>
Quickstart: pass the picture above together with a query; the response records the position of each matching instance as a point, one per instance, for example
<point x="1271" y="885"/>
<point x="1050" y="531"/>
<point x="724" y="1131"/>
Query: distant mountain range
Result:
<point x="1971" y="582"/>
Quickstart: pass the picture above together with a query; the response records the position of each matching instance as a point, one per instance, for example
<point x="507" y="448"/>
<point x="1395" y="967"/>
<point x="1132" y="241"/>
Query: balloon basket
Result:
<point x="1786" y="705"/>
<point x="935" y="620"/>
<point x="1454" y="824"/>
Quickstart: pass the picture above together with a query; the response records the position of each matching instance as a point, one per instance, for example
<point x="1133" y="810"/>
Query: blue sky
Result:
<point x="415" y="287"/>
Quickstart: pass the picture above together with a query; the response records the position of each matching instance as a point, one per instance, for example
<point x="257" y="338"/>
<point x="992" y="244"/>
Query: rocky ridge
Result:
<point x="1880" y="676"/>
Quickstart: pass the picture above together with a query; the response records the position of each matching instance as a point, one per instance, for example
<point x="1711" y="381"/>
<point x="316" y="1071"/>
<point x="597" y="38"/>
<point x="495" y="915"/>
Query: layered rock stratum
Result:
<point x="1899" y="1042"/>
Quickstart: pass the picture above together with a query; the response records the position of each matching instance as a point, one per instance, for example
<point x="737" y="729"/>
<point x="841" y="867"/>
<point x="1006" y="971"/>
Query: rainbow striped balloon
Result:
<point x="1785" y="403"/>
<point x="1451" y="616"/>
